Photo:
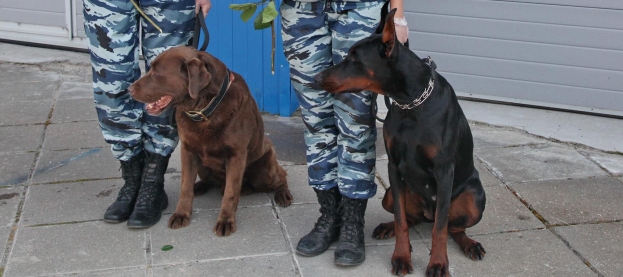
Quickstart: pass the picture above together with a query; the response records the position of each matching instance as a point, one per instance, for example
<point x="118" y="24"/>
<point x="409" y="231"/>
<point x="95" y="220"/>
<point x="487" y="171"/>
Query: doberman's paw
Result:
<point x="437" y="270"/>
<point x="179" y="220"/>
<point x="384" y="231"/>
<point x="224" y="228"/>
<point x="474" y="251"/>
<point x="401" y="266"/>
<point x="283" y="198"/>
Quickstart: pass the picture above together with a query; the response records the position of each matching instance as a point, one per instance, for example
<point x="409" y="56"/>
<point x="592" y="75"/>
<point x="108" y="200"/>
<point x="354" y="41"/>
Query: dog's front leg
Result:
<point x="401" y="259"/>
<point x="190" y="168"/>
<point x="234" y="171"/>
<point x="438" y="264"/>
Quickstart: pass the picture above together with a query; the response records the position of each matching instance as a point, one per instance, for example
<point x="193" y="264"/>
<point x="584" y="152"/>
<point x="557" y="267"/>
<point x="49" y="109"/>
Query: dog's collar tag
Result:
<point x="204" y="113"/>
<point x="427" y="92"/>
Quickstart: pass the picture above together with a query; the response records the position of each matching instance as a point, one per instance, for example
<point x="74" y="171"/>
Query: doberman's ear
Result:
<point x="384" y="11"/>
<point x="197" y="75"/>
<point x="389" y="33"/>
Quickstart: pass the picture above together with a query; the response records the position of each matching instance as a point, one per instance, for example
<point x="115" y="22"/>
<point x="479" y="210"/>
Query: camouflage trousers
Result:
<point x="112" y="29"/>
<point x="341" y="131"/>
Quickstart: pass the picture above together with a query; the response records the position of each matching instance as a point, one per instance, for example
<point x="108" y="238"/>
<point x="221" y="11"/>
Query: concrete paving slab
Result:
<point x="486" y="137"/>
<point x="25" y="112"/>
<point x="258" y="233"/>
<point x="15" y="168"/>
<point x="541" y="162"/>
<point x="68" y="202"/>
<point x="599" y="244"/>
<point x="73" y="110"/>
<point x="28" y="91"/>
<point x="21" y="138"/>
<point x="486" y="177"/>
<point x="68" y="248"/>
<point x="378" y="263"/>
<point x="612" y="163"/>
<point x="503" y="213"/>
<point x="272" y="265"/>
<point x="74" y="135"/>
<point x="574" y="201"/>
<point x="598" y="132"/>
<point x="299" y="186"/>
<point x="36" y="55"/>
<point x="9" y="200"/>
<point x="75" y="165"/>
<point x="75" y="90"/>
<point x="118" y="272"/>
<point x="519" y="254"/>
<point x="21" y="73"/>
<point x="286" y="133"/>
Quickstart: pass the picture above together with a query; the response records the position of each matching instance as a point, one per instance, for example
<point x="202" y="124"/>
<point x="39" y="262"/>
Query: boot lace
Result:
<point x="147" y="195"/>
<point x="131" y="174"/>
<point x="352" y="221"/>
<point x="328" y="213"/>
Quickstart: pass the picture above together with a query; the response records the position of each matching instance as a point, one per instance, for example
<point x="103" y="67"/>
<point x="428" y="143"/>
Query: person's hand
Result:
<point x="402" y="29"/>
<point x="205" y="6"/>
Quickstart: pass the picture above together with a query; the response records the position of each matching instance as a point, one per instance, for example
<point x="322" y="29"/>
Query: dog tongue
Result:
<point x="159" y="105"/>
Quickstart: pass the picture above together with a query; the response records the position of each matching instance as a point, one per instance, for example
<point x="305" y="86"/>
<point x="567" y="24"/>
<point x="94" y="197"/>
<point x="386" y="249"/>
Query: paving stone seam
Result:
<point x="575" y="145"/>
<point x="577" y="253"/>
<point x="73" y="181"/>
<point x="14" y="226"/>
<point x="232" y="258"/>
<point x="590" y="158"/>
<point x="286" y="237"/>
<point x="542" y="219"/>
<point x="115" y="270"/>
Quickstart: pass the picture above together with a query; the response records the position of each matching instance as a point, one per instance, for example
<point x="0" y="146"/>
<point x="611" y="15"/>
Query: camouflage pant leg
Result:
<point x="112" y="30"/>
<point x="340" y="133"/>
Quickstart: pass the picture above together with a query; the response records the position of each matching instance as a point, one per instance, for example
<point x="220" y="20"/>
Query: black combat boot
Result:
<point x="350" y="248"/>
<point x="121" y="209"/>
<point x="327" y="228"/>
<point x="151" y="198"/>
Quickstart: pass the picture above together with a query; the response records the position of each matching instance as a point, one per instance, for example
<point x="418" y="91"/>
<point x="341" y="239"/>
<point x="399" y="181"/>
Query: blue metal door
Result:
<point x="247" y="51"/>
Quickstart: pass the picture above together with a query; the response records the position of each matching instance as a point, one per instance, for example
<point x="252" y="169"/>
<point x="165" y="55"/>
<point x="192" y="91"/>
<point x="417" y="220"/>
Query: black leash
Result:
<point x="203" y="114"/>
<point x="200" y="25"/>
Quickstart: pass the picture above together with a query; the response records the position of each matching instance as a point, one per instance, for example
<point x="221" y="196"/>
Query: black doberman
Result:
<point x="429" y="144"/>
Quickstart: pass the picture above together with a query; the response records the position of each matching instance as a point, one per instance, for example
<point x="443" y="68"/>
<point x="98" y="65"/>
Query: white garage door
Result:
<point x="51" y="22"/>
<point x="556" y="53"/>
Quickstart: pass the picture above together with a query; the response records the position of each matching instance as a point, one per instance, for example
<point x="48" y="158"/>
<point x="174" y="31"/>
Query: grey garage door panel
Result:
<point x="517" y="31"/>
<point x="517" y="50"/>
<point x="502" y="10"/>
<point x="547" y="94"/>
<point x="55" y="6"/>
<point x="33" y="17"/>
<point x="529" y="71"/>
<point x="603" y="4"/>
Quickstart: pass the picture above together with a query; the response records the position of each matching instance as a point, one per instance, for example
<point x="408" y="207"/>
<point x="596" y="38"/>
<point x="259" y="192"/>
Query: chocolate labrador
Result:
<point x="221" y="132"/>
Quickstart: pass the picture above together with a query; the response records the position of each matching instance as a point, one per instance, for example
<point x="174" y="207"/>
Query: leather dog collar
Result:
<point x="427" y="92"/>
<point x="204" y="113"/>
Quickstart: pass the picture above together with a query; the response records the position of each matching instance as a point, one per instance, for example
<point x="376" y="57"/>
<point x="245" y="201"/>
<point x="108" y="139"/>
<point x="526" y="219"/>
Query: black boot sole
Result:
<point x="311" y="254"/>
<point x="143" y="225"/>
<point x="350" y="263"/>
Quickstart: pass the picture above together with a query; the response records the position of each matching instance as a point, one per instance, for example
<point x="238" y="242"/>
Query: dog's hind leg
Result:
<point x="266" y="175"/>
<point x="465" y="211"/>
<point x="414" y="212"/>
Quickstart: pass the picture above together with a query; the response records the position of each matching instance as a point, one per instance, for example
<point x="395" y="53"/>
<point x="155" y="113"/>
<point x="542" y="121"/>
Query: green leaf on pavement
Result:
<point x="248" y="13"/>
<point x="269" y="13"/>
<point x="167" y="247"/>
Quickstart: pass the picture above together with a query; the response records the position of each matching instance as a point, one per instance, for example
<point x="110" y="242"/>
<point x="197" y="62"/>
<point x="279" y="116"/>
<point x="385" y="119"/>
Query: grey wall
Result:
<point x="551" y="52"/>
<point x="38" y="12"/>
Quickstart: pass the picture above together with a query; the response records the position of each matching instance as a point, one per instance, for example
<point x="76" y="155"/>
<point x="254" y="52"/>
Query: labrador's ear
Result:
<point x="389" y="34"/>
<point x="197" y="75"/>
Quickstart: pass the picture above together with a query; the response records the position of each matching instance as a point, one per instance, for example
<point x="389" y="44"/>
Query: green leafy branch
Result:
<point x="263" y="20"/>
